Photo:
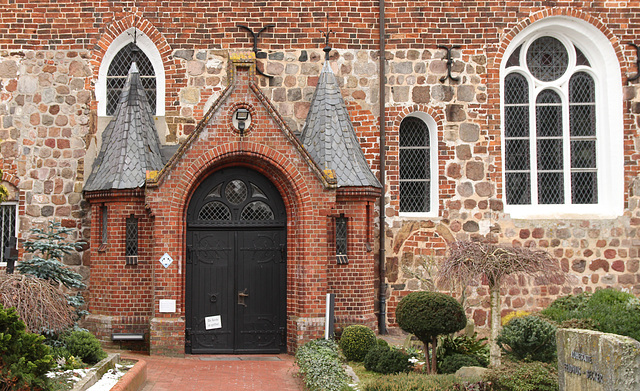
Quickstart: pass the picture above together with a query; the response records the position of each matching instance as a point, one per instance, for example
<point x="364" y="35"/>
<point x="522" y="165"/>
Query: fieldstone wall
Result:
<point x="45" y="119"/>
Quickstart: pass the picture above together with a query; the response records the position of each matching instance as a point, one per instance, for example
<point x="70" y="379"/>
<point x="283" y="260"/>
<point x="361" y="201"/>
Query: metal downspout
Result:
<point x="382" y="320"/>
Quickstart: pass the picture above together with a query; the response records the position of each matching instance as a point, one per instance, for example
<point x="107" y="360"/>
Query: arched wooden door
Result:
<point x="236" y="265"/>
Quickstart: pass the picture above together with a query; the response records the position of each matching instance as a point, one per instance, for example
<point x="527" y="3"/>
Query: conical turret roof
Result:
<point x="130" y="143"/>
<point x="329" y="136"/>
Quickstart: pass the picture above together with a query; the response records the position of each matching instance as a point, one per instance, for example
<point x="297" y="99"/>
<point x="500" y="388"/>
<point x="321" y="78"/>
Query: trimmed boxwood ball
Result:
<point x="429" y="314"/>
<point x="355" y="342"/>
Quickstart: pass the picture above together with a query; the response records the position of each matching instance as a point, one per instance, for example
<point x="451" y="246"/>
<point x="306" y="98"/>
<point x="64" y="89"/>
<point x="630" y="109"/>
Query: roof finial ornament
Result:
<point x="135" y="49"/>
<point x="327" y="34"/>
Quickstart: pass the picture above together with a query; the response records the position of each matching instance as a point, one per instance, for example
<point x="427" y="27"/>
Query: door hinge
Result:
<point x="187" y="337"/>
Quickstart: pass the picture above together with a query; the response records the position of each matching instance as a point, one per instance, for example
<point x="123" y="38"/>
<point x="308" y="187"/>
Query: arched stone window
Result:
<point x="115" y="67"/>
<point x="562" y="122"/>
<point x="418" y="165"/>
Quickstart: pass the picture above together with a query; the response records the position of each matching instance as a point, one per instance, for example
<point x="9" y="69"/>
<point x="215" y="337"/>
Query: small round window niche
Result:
<point x="241" y="119"/>
<point x="547" y="59"/>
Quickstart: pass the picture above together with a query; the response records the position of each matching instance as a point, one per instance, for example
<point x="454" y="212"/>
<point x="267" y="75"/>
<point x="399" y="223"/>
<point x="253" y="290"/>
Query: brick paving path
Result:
<point x="220" y="373"/>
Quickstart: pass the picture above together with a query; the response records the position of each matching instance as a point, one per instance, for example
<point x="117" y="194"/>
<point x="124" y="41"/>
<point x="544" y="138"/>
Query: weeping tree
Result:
<point x="468" y="261"/>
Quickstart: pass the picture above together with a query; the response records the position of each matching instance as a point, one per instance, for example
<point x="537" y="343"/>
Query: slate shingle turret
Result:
<point x="130" y="143"/>
<point x="329" y="136"/>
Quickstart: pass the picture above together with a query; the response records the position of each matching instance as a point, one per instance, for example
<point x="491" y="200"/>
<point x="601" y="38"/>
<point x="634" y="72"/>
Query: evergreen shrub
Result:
<point x="429" y="314"/>
<point x="529" y="338"/>
<point x="84" y="345"/>
<point x="24" y="358"/>
<point x="355" y="342"/>
<point x="452" y="363"/>
<point x="462" y="344"/>
<point x="606" y="310"/>
<point x="387" y="360"/>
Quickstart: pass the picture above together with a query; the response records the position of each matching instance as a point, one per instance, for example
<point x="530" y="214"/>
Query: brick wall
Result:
<point x="49" y="65"/>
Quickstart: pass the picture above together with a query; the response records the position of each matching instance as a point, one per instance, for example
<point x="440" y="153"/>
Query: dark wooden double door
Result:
<point x="236" y="265"/>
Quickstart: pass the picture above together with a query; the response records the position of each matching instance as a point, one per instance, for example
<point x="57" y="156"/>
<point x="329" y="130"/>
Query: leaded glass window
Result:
<point x="341" y="240"/>
<point x="8" y="226"/>
<point x="414" y="159"/>
<point x="105" y="219"/>
<point x="550" y="138"/>
<point x="132" y="237"/>
<point x="117" y="76"/>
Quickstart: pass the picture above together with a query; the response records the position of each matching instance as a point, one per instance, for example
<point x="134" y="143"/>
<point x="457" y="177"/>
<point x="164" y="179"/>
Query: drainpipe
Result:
<point x="382" y="320"/>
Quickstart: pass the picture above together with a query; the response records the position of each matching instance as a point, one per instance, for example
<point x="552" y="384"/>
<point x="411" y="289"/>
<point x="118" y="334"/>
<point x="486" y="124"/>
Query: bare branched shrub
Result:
<point x="40" y="305"/>
<point x="472" y="261"/>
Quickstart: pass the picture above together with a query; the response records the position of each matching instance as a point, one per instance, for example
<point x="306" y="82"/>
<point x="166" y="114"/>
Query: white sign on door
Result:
<point x="213" y="322"/>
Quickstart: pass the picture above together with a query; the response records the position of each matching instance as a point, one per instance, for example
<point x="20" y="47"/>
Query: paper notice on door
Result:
<point x="213" y="322"/>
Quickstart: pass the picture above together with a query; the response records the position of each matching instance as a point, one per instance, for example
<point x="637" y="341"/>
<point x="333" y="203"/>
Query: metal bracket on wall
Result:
<point x="449" y="63"/>
<point x="255" y="43"/>
<point x="637" y="76"/>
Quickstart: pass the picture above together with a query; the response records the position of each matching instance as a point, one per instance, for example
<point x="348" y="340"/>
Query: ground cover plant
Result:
<point x="421" y="382"/>
<point x="428" y="315"/>
<point x="606" y="310"/>
<point x="319" y="364"/>
<point x="524" y="376"/>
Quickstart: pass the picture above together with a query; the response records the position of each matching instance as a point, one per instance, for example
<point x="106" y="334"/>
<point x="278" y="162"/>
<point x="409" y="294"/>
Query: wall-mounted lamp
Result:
<point x="241" y="118"/>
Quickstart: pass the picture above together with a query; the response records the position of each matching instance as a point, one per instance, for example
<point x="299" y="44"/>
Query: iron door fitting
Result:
<point x="241" y="296"/>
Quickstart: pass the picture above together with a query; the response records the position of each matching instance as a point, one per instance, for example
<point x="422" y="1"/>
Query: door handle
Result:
<point x="241" y="296"/>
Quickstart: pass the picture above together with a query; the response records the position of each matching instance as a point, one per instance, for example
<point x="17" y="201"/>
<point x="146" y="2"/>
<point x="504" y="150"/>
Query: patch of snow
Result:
<point x="110" y="378"/>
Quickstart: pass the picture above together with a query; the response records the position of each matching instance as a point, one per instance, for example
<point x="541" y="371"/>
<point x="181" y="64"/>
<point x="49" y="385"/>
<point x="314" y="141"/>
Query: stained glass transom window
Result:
<point x="550" y="136"/>
<point x="547" y="59"/>
<point x="214" y="210"/>
<point x="257" y="210"/>
<point x="117" y="76"/>
<point x="415" y="180"/>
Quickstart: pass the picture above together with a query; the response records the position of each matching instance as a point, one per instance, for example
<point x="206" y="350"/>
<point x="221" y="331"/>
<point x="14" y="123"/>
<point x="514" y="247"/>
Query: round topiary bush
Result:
<point x="429" y="314"/>
<point x="529" y="338"/>
<point x="452" y="363"/>
<point x="355" y="342"/>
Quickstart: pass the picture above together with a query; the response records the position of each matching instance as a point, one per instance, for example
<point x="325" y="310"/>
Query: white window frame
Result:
<point x="150" y="50"/>
<point x="2" y="262"/>
<point x="433" y="167"/>
<point x="605" y="69"/>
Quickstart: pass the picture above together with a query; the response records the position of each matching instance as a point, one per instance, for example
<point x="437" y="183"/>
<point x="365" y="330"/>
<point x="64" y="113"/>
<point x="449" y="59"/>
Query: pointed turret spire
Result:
<point x="329" y="136"/>
<point x="130" y="143"/>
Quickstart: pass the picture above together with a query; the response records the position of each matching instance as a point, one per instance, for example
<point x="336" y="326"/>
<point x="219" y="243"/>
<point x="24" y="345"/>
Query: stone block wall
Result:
<point x="49" y="66"/>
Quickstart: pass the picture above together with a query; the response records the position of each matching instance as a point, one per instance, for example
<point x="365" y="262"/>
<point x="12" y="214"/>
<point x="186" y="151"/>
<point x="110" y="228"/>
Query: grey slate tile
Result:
<point x="130" y="143"/>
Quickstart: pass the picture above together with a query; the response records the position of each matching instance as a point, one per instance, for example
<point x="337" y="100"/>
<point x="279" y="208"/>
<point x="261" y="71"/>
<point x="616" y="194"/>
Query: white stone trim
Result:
<point x="150" y="50"/>
<point x="609" y="117"/>
<point x="433" y="167"/>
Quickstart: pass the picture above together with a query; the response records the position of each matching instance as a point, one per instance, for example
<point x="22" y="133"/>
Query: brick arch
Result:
<point x="444" y="152"/>
<point x="10" y="178"/>
<point x="171" y="66"/>
<point x="569" y="12"/>
<point x="267" y="161"/>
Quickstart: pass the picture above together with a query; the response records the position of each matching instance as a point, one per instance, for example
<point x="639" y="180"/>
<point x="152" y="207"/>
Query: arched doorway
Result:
<point x="236" y="265"/>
